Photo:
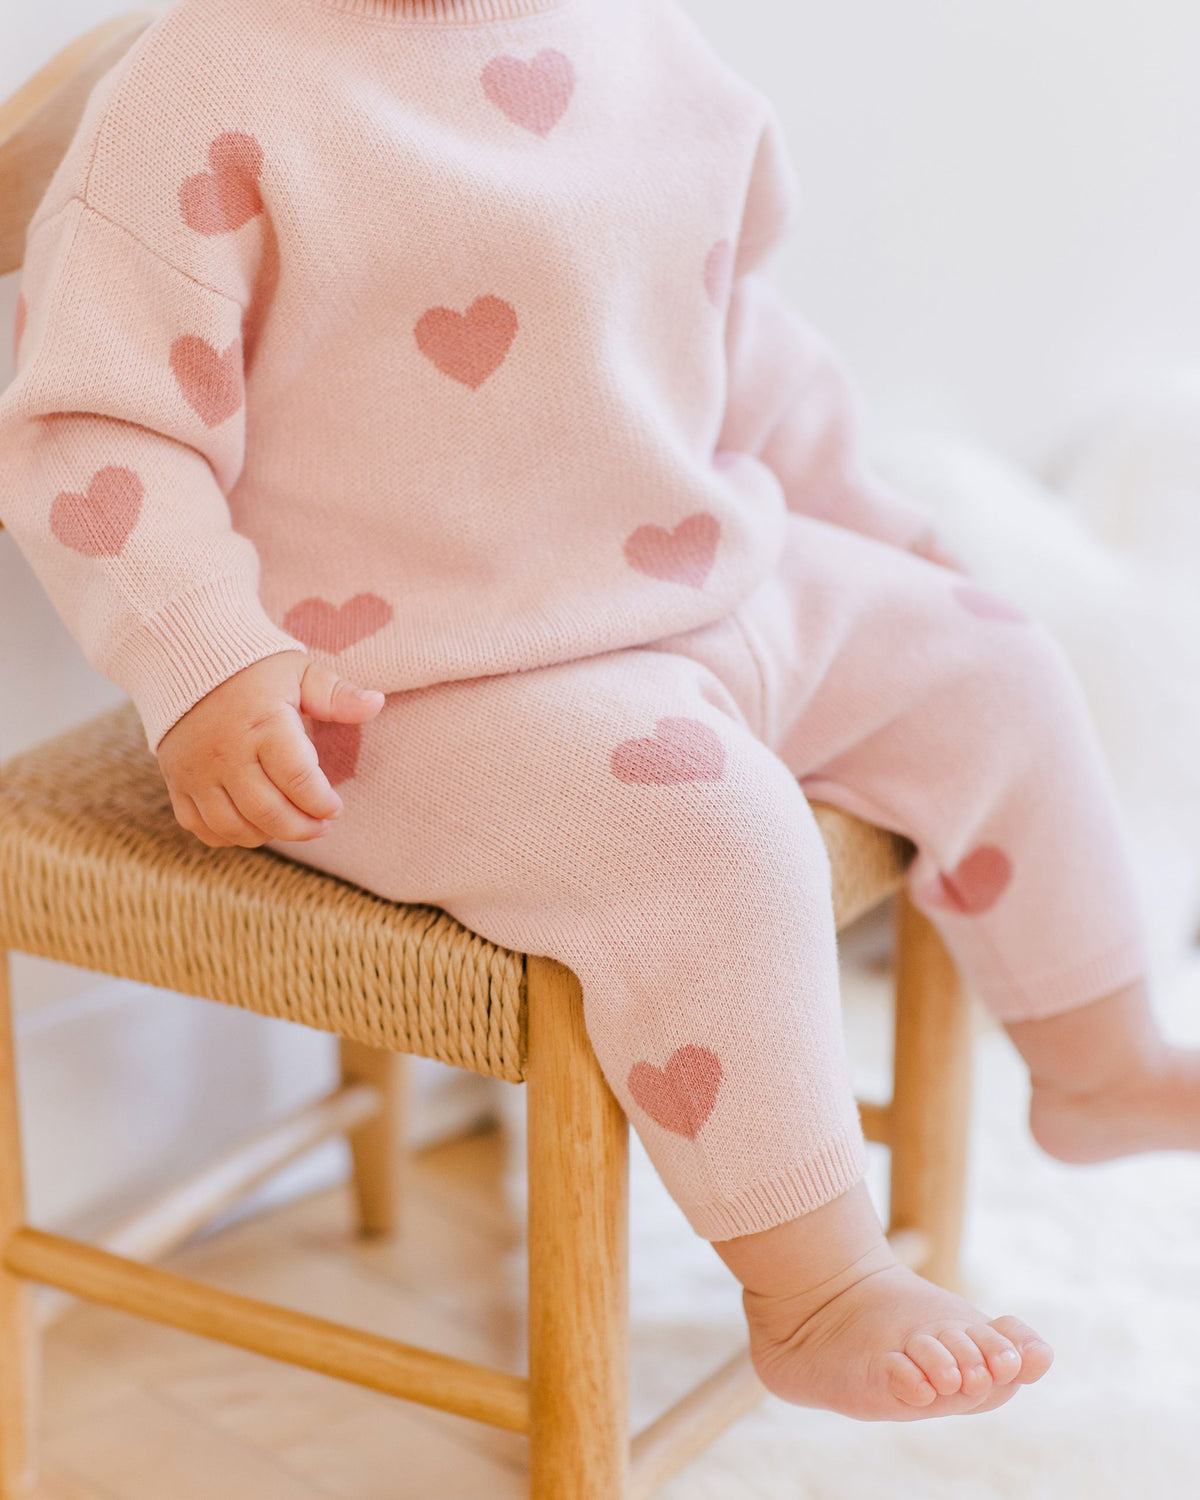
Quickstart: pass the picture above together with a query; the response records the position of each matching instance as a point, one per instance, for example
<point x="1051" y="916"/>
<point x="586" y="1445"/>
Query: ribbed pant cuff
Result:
<point x="774" y="1200"/>
<point x="1057" y="990"/>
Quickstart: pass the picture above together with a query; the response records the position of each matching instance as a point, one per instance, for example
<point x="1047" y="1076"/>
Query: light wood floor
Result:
<point x="138" y="1412"/>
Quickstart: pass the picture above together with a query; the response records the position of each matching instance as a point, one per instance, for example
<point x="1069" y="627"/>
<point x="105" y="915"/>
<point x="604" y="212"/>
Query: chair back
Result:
<point x="38" y="121"/>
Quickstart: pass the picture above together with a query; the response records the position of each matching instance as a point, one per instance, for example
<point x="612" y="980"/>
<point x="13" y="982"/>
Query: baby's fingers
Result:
<point x="260" y="802"/>
<point x="188" y="816"/>
<point x="222" y="817"/>
<point x="289" y="759"/>
<point x="325" y="695"/>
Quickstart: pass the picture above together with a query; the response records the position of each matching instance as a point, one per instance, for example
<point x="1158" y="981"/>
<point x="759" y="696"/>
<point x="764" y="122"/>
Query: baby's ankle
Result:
<point x="811" y="1258"/>
<point x="1153" y="1105"/>
<point x="1094" y="1047"/>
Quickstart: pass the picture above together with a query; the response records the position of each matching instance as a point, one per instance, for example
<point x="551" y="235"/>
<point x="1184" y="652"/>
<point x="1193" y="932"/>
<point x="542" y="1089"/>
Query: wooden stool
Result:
<point x="94" y="871"/>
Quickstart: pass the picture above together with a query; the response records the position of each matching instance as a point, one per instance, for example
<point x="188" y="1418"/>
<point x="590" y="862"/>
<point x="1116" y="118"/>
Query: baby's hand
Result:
<point x="240" y="766"/>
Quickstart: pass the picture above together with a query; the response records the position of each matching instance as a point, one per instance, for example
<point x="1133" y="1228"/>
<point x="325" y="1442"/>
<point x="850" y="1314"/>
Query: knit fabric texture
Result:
<point x="643" y="817"/>
<point x="431" y="337"/>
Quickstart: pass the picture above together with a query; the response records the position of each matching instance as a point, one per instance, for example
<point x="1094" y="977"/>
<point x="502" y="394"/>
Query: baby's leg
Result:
<point x="1106" y="1084"/>
<point x="917" y="699"/>
<point x="617" y="814"/>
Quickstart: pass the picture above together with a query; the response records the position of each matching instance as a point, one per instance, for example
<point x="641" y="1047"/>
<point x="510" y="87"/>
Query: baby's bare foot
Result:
<point x="889" y="1346"/>
<point x="837" y="1322"/>
<point x="1153" y="1105"/>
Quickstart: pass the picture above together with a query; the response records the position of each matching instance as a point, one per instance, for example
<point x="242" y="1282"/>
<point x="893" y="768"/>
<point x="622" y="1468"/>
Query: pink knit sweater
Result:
<point x="427" y="336"/>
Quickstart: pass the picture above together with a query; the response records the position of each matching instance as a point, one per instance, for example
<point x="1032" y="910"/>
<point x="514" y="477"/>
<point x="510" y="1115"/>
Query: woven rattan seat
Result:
<point x="91" y="858"/>
<point x="94" y="870"/>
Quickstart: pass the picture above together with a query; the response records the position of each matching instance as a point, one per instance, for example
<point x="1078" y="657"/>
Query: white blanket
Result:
<point x="1109" y="559"/>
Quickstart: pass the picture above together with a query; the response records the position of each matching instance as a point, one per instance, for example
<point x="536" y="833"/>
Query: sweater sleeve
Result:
<point x="121" y="436"/>
<point x="789" y="401"/>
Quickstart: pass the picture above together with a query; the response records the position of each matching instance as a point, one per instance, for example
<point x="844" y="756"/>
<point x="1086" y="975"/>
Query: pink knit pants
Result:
<point x="641" y="816"/>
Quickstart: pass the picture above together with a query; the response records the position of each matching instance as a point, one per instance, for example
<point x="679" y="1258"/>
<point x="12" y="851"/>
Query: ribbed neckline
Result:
<point x="446" y="11"/>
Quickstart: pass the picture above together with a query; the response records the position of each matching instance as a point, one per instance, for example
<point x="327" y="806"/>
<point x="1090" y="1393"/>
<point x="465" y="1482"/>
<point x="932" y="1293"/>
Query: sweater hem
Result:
<point x="448" y="12"/>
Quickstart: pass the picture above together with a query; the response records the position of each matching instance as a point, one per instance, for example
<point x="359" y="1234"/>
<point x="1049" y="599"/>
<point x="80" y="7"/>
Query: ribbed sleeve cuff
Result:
<point x="190" y="647"/>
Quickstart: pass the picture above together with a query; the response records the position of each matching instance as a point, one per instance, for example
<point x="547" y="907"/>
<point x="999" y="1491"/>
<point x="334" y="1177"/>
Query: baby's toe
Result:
<point x="976" y="1376"/>
<point x="906" y="1382"/>
<point x="939" y="1365"/>
<point x="1036" y="1354"/>
<point x="1002" y="1355"/>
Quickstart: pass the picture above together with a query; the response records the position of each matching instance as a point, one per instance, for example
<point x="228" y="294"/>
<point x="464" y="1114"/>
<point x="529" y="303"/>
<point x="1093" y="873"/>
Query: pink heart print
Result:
<point x="337" y="749"/>
<point x="533" y="94"/>
<point x="975" y="884"/>
<point x="211" y="383"/>
<point x="98" y="522"/>
<point x="323" y="626"/>
<point x="468" y="346"/>
<point x="225" y="198"/>
<point x="681" y="1096"/>
<point x="19" y="316"/>
<point x="988" y="606"/>
<point x="680" y="751"/>
<point x="718" y="273"/>
<point x="685" y="555"/>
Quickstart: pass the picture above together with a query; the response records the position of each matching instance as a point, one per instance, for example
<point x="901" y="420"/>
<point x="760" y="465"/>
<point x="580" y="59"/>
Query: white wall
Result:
<point x="1002" y="217"/>
<point x="1001" y="222"/>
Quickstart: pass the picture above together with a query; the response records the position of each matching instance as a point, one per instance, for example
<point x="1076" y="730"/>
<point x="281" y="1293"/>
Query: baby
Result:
<point x="402" y="418"/>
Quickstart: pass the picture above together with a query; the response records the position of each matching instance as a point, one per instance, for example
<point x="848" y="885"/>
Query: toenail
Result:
<point x="1008" y="1354"/>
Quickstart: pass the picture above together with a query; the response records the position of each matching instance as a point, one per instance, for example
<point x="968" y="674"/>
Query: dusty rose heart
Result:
<point x="680" y="751"/>
<point x="19" y="317"/>
<point x="337" y="748"/>
<point x="225" y="198"/>
<point x="323" y="626"/>
<point x="976" y="884"/>
<point x="468" y="346"/>
<point x="685" y="555"/>
<point x="988" y="606"/>
<point x="718" y="273"/>
<point x="98" y="523"/>
<point x="533" y="94"/>
<point x="211" y="383"/>
<point x="681" y="1096"/>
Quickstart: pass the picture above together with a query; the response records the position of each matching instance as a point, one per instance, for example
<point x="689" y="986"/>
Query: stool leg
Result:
<point x="18" y="1339"/>
<point x="578" y="1253"/>
<point x="929" y="1119"/>
<point x="378" y="1147"/>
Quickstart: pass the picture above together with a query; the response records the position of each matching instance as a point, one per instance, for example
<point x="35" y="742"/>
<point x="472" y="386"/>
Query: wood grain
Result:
<point x="318" y="1344"/>
<point x="157" y="1227"/>
<point x="378" y="1144"/>
<point x="18" y="1337"/>
<point x="578" y="1253"/>
<point x="929" y="1117"/>
<point x="686" y="1429"/>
